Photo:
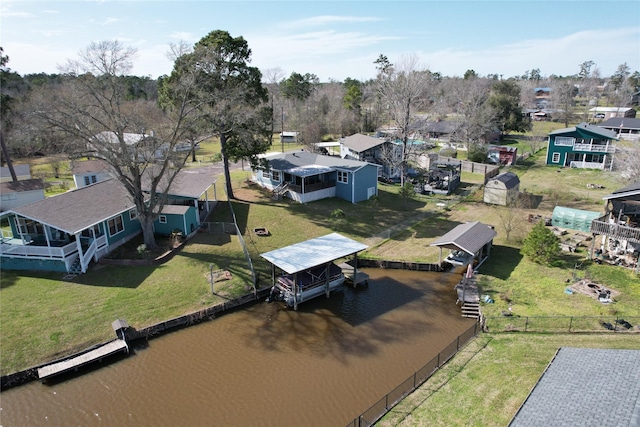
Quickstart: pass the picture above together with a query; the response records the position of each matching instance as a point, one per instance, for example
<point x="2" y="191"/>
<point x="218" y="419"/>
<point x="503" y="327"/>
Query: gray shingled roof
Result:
<point x="79" y="209"/>
<point x="509" y="179"/>
<point x="621" y="123"/>
<point x="359" y="142"/>
<point x="21" y="186"/>
<point x="191" y="183"/>
<point x="288" y="162"/>
<point x="593" y="129"/>
<point x="629" y="190"/>
<point x="312" y="253"/>
<point x="469" y="237"/>
<point x="585" y="387"/>
<point x="89" y="166"/>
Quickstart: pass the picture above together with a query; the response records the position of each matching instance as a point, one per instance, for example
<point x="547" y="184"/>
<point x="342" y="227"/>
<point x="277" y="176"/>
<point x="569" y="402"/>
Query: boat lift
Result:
<point x="321" y="251"/>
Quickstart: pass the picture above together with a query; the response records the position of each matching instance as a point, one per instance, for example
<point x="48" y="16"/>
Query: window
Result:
<point x="162" y="219"/>
<point x="90" y="179"/>
<point x="115" y="225"/>
<point x="275" y="175"/>
<point x="564" y="141"/>
<point x="555" y="158"/>
<point x="133" y="214"/>
<point x="27" y="226"/>
<point x="343" y="177"/>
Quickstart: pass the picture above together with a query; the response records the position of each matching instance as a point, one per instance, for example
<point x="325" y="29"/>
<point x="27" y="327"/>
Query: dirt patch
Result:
<point x="595" y="290"/>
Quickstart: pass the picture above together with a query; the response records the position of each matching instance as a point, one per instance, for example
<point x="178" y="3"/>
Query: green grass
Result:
<point x="487" y="381"/>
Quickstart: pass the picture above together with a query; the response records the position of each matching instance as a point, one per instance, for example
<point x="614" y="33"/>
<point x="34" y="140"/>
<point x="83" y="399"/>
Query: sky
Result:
<point x="336" y="39"/>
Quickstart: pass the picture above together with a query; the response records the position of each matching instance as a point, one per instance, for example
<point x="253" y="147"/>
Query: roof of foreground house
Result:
<point x="304" y="163"/>
<point x="469" y="237"/>
<point x="626" y="191"/>
<point x="585" y="386"/>
<point x="80" y="209"/>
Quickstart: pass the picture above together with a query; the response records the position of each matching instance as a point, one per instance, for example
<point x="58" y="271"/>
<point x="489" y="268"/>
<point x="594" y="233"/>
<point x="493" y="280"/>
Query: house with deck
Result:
<point x="581" y="146"/>
<point x="306" y="177"/>
<point x="625" y="128"/>
<point x="67" y="232"/>
<point x="619" y="227"/>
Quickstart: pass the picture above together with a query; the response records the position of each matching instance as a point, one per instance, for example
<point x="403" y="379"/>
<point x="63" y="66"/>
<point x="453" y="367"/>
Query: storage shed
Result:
<point x="502" y="189"/>
<point x="573" y="219"/>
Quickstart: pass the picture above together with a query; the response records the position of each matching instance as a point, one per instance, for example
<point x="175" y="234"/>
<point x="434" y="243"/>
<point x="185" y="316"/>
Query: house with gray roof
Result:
<point x="624" y="127"/>
<point x="306" y="177"/>
<point x="17" y="193"/>
<point x="582" y="146"/>
<point x="87" y="172"/>
<point x="502" y="189"/>
<point x="585" y="387"/>
<point x="68" y="231"/>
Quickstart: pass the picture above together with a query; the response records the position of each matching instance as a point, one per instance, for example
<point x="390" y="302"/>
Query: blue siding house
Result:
<point x="67" y="232"/>
<point x="306" y="177"/>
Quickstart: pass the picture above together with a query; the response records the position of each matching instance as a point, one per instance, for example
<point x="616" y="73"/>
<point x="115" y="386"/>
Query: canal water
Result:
<point x="265" y="365"/>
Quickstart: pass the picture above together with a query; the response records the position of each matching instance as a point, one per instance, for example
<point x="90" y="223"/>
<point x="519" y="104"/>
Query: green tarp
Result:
<point x="574" y="219"/>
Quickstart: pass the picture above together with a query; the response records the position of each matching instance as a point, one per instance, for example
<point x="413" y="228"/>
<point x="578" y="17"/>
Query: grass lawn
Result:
<point x="488" y="380"/>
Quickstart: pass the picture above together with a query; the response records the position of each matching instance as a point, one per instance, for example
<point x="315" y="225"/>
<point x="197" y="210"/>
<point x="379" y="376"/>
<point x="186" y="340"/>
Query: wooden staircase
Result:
<point x="280" y="190"/>
<point x="471" y="309"/>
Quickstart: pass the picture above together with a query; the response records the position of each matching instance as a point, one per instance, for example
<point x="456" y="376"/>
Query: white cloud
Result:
<point x="183" y="35"/>
<point x="324" y="20"/>
<point x="109" y="21"/>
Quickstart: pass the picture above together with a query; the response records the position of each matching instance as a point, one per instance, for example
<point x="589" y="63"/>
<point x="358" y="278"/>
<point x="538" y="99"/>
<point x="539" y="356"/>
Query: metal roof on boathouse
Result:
<point x="312" y="253"/>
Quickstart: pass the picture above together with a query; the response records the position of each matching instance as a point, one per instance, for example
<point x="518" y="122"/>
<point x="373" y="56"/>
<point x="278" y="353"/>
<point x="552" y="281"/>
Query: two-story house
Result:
<point x="581" y="146"/>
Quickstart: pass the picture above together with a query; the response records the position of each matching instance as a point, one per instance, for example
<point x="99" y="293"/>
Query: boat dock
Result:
<point x="97" y="354"/>
<point x="359" y="277"/>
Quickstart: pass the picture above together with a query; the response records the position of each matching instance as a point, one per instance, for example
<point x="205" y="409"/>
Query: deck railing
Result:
<point x="602" y="226"/>
<point x="594" y="148"/>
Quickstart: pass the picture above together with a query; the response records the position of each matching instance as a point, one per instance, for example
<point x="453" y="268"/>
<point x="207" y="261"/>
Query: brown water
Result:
<point x="322" y="365"/>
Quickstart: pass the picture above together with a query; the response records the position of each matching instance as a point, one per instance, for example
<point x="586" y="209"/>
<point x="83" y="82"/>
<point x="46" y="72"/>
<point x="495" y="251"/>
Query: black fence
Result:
<point x="391" y="399"/>
<point x="563" y="324"/>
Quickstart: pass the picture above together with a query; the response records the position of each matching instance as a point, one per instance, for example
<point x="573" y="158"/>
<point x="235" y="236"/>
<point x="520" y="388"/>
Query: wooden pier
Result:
<point x="348" y="270"/>
<point x="97" y="354"/>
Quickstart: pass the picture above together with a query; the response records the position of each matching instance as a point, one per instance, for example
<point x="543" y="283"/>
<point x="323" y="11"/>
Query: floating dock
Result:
<point x="72" y="364"/>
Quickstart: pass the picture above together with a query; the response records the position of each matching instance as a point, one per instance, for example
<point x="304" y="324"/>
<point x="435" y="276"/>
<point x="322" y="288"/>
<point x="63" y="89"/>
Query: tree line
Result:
<point x="94" y="105"/>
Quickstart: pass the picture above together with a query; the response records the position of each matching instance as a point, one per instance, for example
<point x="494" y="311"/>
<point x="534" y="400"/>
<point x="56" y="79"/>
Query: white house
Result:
<point x="89" y="172"/>
<point x="14" y="194"/>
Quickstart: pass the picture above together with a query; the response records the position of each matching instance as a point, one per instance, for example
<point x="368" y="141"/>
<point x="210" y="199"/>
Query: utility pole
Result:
<point x="282" y="127"/>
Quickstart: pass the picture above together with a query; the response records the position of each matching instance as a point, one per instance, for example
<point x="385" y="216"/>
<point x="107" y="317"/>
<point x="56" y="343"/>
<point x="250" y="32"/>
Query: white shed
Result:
<point x="502" y="189"/>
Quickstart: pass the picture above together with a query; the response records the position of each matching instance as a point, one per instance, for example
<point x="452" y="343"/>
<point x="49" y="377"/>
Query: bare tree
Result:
<point x="563" y="96"/>
<point x="627" y="162"/>
<point x="403" y="91"/>
<point x="135" y="138"/>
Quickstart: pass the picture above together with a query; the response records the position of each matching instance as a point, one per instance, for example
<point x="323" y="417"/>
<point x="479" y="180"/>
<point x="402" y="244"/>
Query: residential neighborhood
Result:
<point x="299" y="225"/>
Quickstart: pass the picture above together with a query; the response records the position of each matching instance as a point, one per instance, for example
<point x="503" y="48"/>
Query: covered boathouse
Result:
<point x="308" y="268"/>
<point x="470" y="243"/>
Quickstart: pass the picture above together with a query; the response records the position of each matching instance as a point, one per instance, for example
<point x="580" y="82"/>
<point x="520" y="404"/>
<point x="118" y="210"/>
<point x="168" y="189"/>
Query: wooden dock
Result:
<point x="97" y="354"/>
<point x="347" y="270"/>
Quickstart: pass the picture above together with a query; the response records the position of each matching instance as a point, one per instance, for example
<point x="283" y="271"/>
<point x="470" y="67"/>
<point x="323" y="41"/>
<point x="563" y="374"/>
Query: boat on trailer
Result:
<point x="307" y="284"/>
